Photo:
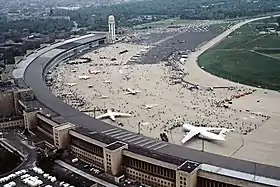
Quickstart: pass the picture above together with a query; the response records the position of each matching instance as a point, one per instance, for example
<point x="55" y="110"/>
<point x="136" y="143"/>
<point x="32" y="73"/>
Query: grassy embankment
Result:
<point x="247" y="56"/>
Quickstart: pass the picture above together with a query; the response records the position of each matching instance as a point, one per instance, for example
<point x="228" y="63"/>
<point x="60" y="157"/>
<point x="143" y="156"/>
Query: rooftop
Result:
<point x="59" y="119"/>
<point x="7" y="85"/>
<point x="21" y="84"/>
<point x="13" y="118"/>
<point x="37" y="105"/>
<point x="188" y="166"/>
<point x="156" y="155"/>
<point x="115" y="145"/>
<point x="68" y="45"/>
<point x="35" y="139"/>
<point x="97" y="136"/>
<point x="64" y="126"/>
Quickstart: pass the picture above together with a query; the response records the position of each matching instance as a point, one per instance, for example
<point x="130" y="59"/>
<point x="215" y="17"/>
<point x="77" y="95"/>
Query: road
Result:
<point x="84" y="174"/>
<point x="14" y="139"/>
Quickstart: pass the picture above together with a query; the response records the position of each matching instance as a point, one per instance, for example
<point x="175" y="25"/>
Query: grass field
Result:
<point x="168" y="22"/>
<point x="247" y="56"/>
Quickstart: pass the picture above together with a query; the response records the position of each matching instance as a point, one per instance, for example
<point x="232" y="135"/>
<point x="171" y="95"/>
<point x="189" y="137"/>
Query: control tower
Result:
<point x="111" y="37"/>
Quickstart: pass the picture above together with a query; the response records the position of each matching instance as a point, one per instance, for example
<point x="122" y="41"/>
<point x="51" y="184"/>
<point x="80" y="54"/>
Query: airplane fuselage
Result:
<point x="203" y="133"/>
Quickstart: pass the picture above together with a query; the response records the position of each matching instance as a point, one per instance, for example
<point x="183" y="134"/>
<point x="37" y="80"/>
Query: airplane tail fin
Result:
<point x="223" y="133"/>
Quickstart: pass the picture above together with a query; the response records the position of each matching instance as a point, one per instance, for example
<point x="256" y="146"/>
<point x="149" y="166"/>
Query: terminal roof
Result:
<point x="97" y="136"/>
<point x="156" y="155"/>
<point x="115" y="145"/>
<point x="188" y="166"/>
<point x="6" y="86"/>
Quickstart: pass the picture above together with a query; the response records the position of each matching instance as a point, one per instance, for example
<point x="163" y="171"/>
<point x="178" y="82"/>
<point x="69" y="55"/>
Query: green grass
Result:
<point x="276" y="55"/>
<point x="167" y="22"/>
<point x="243" y="66"/>
<point x="220" y="27"/>
<point x="234" y="58"/>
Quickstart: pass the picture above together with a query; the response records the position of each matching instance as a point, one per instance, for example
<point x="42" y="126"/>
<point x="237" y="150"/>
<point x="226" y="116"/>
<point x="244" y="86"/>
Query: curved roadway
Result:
<point x="33" y="78"/>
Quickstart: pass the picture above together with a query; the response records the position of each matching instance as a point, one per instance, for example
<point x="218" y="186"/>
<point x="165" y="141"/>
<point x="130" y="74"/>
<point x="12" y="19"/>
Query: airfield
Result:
<point x="152" y="65"/>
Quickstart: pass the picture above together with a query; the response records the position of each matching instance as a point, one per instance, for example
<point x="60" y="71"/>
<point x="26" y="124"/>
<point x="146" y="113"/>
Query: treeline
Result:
<point x="43" y="26"/>
<point x="96" y="17"/>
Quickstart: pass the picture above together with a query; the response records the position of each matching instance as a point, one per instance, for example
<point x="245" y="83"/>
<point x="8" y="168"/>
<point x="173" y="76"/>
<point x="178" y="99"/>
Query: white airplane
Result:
<point x="113" y="115"/>
<point x="150" y="106"/>
<point x="132" y="91"/>
<point x="95" y="72"/>
<point x="103" y="97"/>
<point x="71" y="84"/>
<point x="205" y="132"/>
<point x="107" y="81"/>
<point x="85" y="77"/>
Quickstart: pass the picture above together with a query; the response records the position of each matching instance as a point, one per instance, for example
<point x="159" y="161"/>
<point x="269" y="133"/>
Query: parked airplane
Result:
<point x="85" y="77"/>
<point x="71" y="84"/>
<point x="205" y="132"/>
<point x="94" y="71"/>
<point x="103" y="97"/>
<point x="132" y="91"/>
<point x="150" y="106"/>
<point x="107" y="81"/>
<point x="113" y="115"/>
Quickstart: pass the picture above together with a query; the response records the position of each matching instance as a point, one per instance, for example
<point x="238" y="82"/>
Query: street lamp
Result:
<point x="94" y="110"/>
<point x="202" y="146"/>
<point x="139" y="124"/>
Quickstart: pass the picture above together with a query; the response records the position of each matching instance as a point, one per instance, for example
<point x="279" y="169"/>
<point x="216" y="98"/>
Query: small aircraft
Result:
<point x="205" y="132"/>
<point x="132" y="91"/>
<point x="85" y="77"/>
<point x="95" y="72"/>
<point x="150" y="106"/>
<point x="71" y="84"/>
<point x="112" y="115"/>
<point x="103" y="97"/>
<point x="107" y="81"/>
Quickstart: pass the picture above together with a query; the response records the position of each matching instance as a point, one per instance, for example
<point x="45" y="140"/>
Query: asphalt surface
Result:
<point x="165" y="49"/>
<point x="33" y="78"/>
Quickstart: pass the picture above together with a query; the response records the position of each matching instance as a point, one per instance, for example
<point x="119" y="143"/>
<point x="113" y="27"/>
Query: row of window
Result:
<point x="46" y="127"/>
<point x="8" y="128"/>
<point x="147" y="179"/>
<point x="150" y="168"/>
<point x="11" y="124"/>
<point x="87" y="146"/>
<point x="89" y="157"/>
<point x="203" y="182"/>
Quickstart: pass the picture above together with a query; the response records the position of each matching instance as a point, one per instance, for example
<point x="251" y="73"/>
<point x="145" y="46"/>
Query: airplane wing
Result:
<point x="121" y="114"/>
<point x="189" y="136"/>
<point x="112" y="117"/>
<point x="129" y="90"/>
<point x="102" y="116"/>
<point x="211" y="128"/>
<point x="224" y="132"/>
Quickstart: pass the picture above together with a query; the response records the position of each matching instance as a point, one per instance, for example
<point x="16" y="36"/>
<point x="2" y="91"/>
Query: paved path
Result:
<point x="84" y="174"/>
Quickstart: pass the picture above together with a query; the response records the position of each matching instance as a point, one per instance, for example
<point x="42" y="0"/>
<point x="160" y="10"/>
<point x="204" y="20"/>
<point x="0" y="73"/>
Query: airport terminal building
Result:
<point x="27" y="103"/>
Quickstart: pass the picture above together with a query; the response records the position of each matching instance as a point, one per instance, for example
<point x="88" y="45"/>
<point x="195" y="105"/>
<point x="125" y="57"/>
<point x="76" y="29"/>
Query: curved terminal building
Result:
<point x="119" y="153"/>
